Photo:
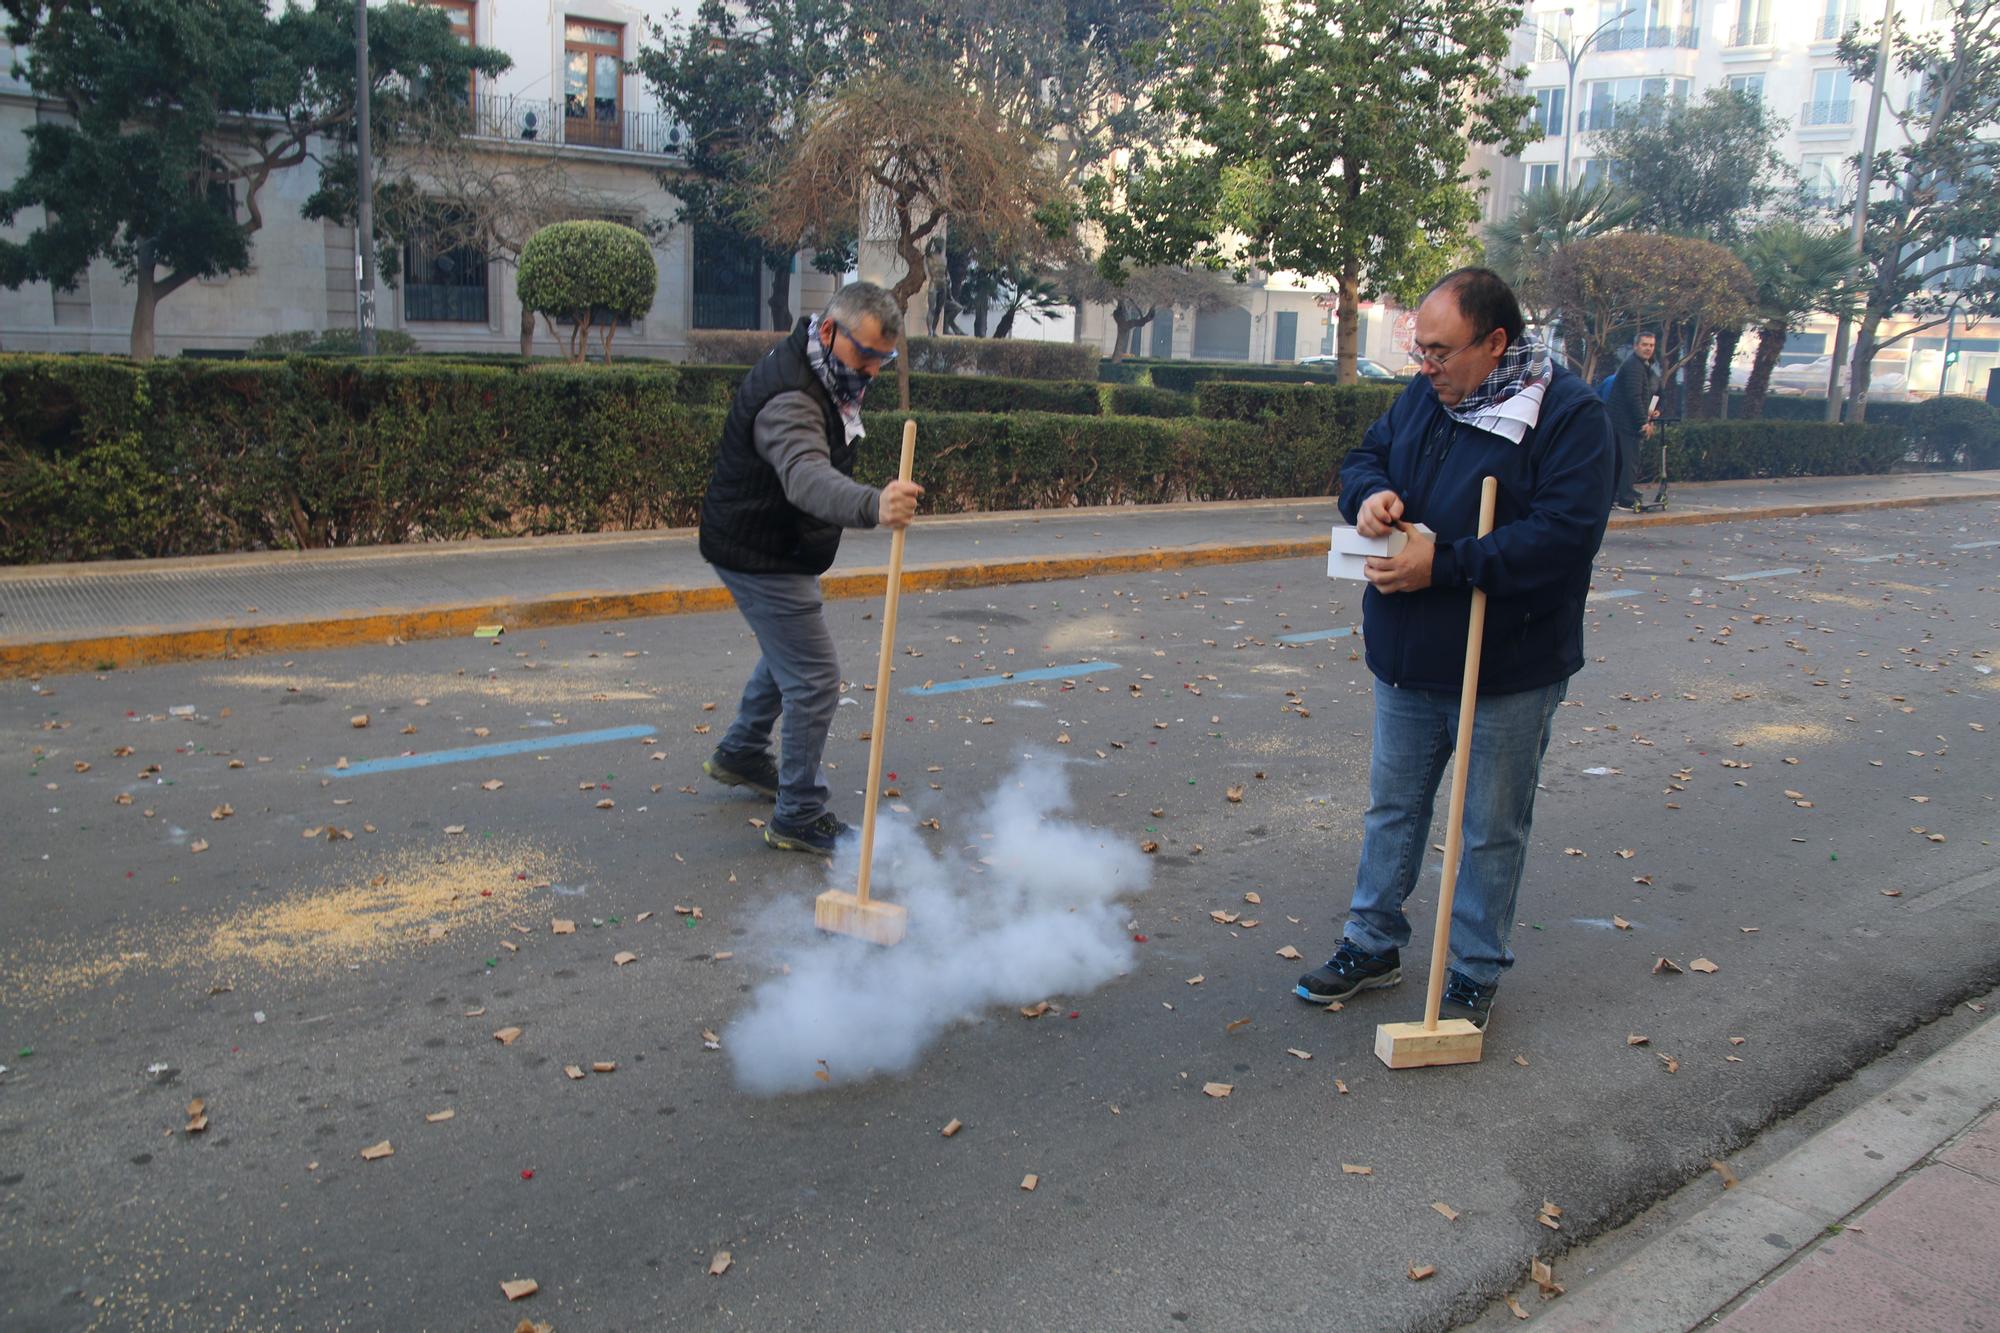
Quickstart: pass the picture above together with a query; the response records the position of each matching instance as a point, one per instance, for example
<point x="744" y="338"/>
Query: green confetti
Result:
<point x="26" y="1051"/>
<point x="493" y="962"/>
<point x="688" y="921"/>
<point x="614" y="920"/>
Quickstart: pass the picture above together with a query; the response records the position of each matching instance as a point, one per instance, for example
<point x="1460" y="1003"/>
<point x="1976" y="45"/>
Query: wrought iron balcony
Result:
<point x="532" y="120"/>
<point x="1830" y="111"/>
<point x="1648" y="39"/>
<point x="1751" y="34"/>
<point x="1832" y="26"/>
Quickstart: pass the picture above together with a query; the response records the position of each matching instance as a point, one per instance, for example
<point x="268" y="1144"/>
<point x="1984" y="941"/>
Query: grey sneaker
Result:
<point x="1352" y="969"/>
<point x="1467" y="999"/>
<point x="758" y="772"/>
<point x="817" y="837"/>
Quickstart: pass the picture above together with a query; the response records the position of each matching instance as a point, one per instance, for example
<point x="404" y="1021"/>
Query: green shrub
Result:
<point x="1729" y="450"/>
<point x="715" y="386"/>
<point x="1791" y="407"/>
<point x="1954" y="432"/>
<point x="1187" y="376"/>
<point x="1137" y="400"/>
<point x="1008" y="358"/>
<point x="333" y="342"/>
<point x="589" y="274"/>
<point x="1123" y="372"/>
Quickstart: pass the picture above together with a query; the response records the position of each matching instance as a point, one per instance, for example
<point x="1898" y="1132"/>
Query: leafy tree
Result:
<point x="1611" y="287"/>
<point x="743" y="78"/>
<point x="1699" y="168"/>
<point x="1798" y="270"/>
<point x="1928" y="249"/>
<point x="591" y="275"/>
<point x="1135" y="296"/>
<point x="915" y="153"/>
<point x="1520" y="246"/>
<point x="180" y="114"/>
<point x="1322" y="137"/>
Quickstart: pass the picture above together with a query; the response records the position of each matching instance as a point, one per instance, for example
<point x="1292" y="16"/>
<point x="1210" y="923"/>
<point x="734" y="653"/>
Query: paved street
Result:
<point x="1779" y="762"/>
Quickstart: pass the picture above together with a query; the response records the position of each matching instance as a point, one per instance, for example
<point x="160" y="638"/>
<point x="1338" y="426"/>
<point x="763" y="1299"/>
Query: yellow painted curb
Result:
<point x="154" y="647"/>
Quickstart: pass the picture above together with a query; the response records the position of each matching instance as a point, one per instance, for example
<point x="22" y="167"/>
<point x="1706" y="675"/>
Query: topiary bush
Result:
<point x="1955" y="432"/>
<point x="590" y="275"/>
<point x="1137" y="400"/>
<point x="333" y="342"/>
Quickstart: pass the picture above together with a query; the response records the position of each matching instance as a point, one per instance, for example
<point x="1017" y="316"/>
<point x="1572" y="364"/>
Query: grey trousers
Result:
<point x="797" y="674"/>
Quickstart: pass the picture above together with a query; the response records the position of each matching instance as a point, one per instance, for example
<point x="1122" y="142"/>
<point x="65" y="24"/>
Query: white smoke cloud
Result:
<point x="1029" y="913"/>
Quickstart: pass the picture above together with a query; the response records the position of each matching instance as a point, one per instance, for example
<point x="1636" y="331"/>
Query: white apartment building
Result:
<point x="1592" y="61"/>
<point x="568" y="93"/>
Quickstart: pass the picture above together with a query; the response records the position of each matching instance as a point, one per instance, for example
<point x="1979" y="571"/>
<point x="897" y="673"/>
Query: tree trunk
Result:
<point x="1350" y="325"/>
<point x="146" y="303"/>
<point x="781" y="294"/>
<point x="1770" y="345"/>
<point x="527" y="331"/>
<point x="1718" y="379"/>
<point x="1864" y="365"/>
<point x="1126" y="324"/>
<point x="980" y="313"/>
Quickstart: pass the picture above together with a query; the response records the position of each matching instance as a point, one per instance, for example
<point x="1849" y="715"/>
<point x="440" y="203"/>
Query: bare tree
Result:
<point x="915" y="154"/>
<point x="456" y="194"/>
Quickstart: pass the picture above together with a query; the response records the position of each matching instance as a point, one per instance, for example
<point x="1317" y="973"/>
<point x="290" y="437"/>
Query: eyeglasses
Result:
<point x="872" y="355"/>
<point x="1436" y="362"/>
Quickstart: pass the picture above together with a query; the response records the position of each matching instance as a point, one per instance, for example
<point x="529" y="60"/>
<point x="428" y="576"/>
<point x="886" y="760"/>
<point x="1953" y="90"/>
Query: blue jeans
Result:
<point x="1415" y="731"/>
<point x="797" y="674"/>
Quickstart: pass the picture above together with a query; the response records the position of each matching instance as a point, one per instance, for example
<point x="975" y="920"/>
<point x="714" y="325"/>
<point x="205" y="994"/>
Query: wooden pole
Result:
<point x="1461" y="761"/>
<point x="882" y="670"/>
<point x="1411" y="1045"/>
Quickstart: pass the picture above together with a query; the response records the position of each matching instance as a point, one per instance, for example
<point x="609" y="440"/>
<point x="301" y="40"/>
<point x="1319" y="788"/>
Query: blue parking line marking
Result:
<point x="1017" y="678"/>
<point x="1317" y="635"/>
<point x="1613" y="596"/>
<point x="1974" y="546"/>
<point x="1759" y="574"/>
<point x="536" y="744"/>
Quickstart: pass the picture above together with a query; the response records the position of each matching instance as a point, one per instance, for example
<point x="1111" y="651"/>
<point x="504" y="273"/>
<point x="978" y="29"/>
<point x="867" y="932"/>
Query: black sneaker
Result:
<point x="1467" y="999"/>
<point x="758" y="772"/>
<point x="1351" y="970"/>
<point x="817" y="837"/>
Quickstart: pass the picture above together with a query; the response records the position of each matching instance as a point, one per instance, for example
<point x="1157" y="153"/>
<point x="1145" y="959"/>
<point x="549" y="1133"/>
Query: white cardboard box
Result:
<point x="1347" y="559"/>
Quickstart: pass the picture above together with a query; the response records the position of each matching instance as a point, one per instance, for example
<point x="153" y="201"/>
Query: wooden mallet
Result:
<point x="1454" y="1041"/>
<point x="855" y="913"/>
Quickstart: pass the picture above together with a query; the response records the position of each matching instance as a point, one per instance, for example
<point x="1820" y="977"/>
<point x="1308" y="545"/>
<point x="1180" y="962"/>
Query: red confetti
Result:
<point x="486" y="893"/>
<point x="1074" y="1014"/>
<point x="1140" y="939"/>
<point x="527" y="1175"/>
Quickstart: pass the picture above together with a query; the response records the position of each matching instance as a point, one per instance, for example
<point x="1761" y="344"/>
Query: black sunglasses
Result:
<point x="867" y="353"/>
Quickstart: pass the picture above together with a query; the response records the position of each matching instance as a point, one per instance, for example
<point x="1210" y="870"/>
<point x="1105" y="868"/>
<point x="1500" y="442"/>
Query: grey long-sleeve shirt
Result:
<point x="790" y="434"/>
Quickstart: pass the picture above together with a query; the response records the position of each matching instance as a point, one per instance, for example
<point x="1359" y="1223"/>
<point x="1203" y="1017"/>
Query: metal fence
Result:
<point x="1643" y="39"/>
<point x="1833" y="111"/>
<point x="1751" y="34"/>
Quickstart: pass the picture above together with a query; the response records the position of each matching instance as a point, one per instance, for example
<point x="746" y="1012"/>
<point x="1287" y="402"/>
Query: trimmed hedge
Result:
<point x="1011" y="358"/>
<point x="1188" y="376"/>
<point x="1123" y="372"/>
<point x="1136" y="400"/>
<point x="1789" y="407"/>
<point x="1955" y="432"/>
<point x="714" y="386"/>
<point x="1732" y="450"/>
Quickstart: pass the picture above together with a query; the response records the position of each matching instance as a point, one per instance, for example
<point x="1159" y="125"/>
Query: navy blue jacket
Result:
<point x="1555" y="497"/>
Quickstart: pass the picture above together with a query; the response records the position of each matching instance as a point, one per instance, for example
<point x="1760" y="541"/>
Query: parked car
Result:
<point x="1369" y="370"/>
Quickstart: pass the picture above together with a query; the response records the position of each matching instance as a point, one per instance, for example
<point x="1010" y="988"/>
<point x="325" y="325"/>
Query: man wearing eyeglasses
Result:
<point x="1488" y="402"/>
<point x="781" y="493"/>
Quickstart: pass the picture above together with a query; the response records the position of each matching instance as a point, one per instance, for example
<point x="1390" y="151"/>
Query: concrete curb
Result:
<point x="1707" y="1261"/>
<point x="157" y="645"/>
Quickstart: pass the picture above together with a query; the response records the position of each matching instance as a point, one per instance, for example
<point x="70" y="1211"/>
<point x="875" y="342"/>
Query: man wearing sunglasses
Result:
<point x="782" y="490"/>
<point x="1488" y="402"/>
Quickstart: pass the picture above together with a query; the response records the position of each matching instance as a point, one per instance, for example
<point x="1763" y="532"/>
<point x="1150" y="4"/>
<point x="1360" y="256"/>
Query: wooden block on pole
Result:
<point x="1454" y="1041"/>
<point x="845" y="913"/>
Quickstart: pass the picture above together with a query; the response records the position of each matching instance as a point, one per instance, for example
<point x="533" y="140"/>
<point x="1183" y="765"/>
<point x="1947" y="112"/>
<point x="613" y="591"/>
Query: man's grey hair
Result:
<point x="858" y="300"/>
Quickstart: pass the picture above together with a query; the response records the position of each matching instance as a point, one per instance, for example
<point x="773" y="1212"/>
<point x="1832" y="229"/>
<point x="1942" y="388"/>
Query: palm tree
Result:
<point x="1799" y="270"/>
<point x="1546" y="220"/>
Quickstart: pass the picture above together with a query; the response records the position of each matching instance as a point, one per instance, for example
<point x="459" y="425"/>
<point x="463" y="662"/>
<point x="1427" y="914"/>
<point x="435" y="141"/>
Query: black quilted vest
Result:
<point x="747" y="524"/>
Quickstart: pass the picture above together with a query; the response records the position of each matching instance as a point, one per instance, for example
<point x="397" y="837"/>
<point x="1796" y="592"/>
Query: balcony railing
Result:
<point x="1832" y="111"/>
<point x="1832" y="26"/>
<point x="1644" y="39"/>
<point x="541" y="121"/>
<point x="1751" y="34"/>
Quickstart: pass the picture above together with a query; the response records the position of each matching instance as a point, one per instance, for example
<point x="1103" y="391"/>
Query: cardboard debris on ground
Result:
<point x="1446" y="1211"/>
<point x="572" y="1072"/>
<point x="1721" y="1168"/>
<point x="439" y="1117"/>
<point x="377" y="1152"/>
<point x="520" y="1288"/>
<point x="951" y="1128"/>
<point x="1516" y="1308"/>
<point x="1035" y="1010"/>
<point x="1703" y="965"/>
<point x="1665" y="966"/>
<point x="505" y="1036"/>
<point x="560" y="927"/>
<point x="720" y="1263"/>
<point x="1218" y="1090"/>
<point x="1297" y="1053"/>
<point x="1419" y="1273"/>
<point x="603" y="1066"/>
<point x="197" y="1114"/>
<point x="1290" y="954"/>
<point x="624" y="957"/>
<point x="1350" y="1169"/>
<point x="1030" y="1181"/>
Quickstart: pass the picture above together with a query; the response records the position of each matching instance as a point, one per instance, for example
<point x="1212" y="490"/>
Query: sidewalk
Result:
<point x="82" y="617"/>
<point x="1888" y="1219"/>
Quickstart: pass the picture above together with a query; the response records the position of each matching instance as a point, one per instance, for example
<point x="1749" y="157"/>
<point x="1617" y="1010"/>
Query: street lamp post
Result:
<point x="1573" y="58"/>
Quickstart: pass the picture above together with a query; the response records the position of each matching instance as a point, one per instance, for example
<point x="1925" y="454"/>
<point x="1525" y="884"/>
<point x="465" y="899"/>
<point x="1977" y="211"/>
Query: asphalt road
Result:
<point x="322" y="992"/>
